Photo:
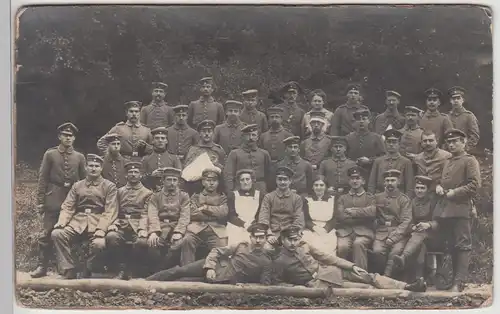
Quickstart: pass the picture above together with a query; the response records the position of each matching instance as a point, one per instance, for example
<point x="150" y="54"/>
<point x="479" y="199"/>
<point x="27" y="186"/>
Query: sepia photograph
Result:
<point x="253" y="156"/>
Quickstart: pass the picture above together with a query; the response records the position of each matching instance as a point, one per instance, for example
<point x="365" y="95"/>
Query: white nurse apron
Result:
<point x="321" y="212"/>
<point x="246" y="208"/>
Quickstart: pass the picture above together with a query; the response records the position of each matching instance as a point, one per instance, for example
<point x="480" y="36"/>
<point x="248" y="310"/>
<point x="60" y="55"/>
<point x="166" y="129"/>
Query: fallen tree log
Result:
<point x="88" y="285"/>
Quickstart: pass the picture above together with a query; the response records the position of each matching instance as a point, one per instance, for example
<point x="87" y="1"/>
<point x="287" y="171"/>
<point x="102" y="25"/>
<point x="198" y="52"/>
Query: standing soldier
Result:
<point x="158" y="113"/>
<point x="61" y="167"/>
<point x="250" y="114"/>
<point x="292" y="113"/>
<point x="462" y="118"/>
<point x="228" y="135"/>
<point x="159" y="158"/>
<point x="131" y="224"/>
<point x="315" y="148"/>
<point x="205" y="108"/>
<point x="353" y="217"/>
<point x="302" y="169"/>
<point x="393" y="222"/>
<point x="364" y="145"/>
<point x="317" y="100"/>
<point x="89" y="209"/>
<point x="432" y="119"/>
<point x="411" y="140"/>
<point x="343" y="117"/>
<point x="458" y="185"/>
<point x="335" y="169"/>
<point x="391" y="160"/>
<point x="272" y="140"/>
<point x="391" y="115"/>
<point x="113" y="168"/>
<point x="180" y="135"/>
<point x="249" y="156"/>
<point x="209" y="215"/>
<point x="206" y="145"/>
<point x="168" y="217"/>
<point x="135" y="138"/>
<point x="281" y="208"/>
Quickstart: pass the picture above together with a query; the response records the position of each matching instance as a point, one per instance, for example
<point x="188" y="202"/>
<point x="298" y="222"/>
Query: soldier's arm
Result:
<point x="102" y="145"/>
<point x="277" y="274"/>
<point x="267" y="167"/>
<point x="217" y="135"/>
<point x="143" y="116"/>
<point x="190" y="119"/>
<point x="82" y="170"/>
<point x="220" y="114"/>
<point x="473" y="136"/>
<point x="68" y="206"/>
<point x="153" y="214"/>
<point x="265" y="125"/>
<point x="196" y="138"/>
<point x="406" y="217"/>
<point x="369" y="211"/>
<point x="472" y="179"/>
<point x="298" y="212"/>
<point x="409" y="176"/>
<point x="43" y="177"/>
<point x="216" y="253"/>
<point x="184" y="215"/>
<point x="265" y="211"/>
<point x="372" y="181"/>
<point x="447" y="124"/>
<point x="149" y="139"/>
<point x="222" y="156"/>
<point x="194" y="205"/>
<point x="221" y="210"/>
<point x="303" y="149"/>
<point x="229" y="170"/>
<point x="170" y="116"/>
<point x="143" y="221"/>
<point x="379" y="147"/>
<point x="110" y="208"/>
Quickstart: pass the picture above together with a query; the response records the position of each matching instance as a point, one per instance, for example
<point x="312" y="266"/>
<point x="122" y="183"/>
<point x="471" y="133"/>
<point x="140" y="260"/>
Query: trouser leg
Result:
<point x="462" y="248"/>
<point x="189" y="245"/>
<point x="360" y="251"/>
<point x="63" y="239"/>
<point x="115" y="245"/>
<point x="376" y="280"/>
<point x="212" y="240"/>
<point x="379" y="255"/>
<point x="344" y="246"/>
<point x="396" y="249"/>
<point x="194" y="269"/>
<point x="45" y="245"/>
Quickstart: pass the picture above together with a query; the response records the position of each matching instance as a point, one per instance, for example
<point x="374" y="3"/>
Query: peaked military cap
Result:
<point x="207" y="80"/>
<point x="339" y="140"/>
<point x="243" y="171"/>
<point x="456" y="90"/>
<point x="392" y="93"/>
<point x="159" y="130"/>
<point x="392" y="133"/>
<point x="233" y="104"/>
<point x="318" y="116"/>
<point x="354" y="171"/>
<point x="133" y="165"/>
<point x="112" y="137"/>
<point x="180" y="108"/>
<point x="291" y="232"/>
<point x="159" y="85"/>
<point x="353" y="86"/>
<point x="257" y="229"/>
<point x="284" y="171"/>
<point x="361" y="112"/>
<point x="433" y="92"/>
<point x="250" y="93"/>
<point x="133" y="103"/>
<point x="413" y="109"/>
<point x="206" y="124"/>
<point x="291" y="140"/>
<point x="212" y="172"/>
<point x="171" y="172"/>
<point x="67" y="128"/>
<point x="250" y="128"/>
<point x="454" y="133"/>
<point x="94" y="158"/>
<point x="292" y="85"/>
<point x="392" y="173"/>
<point x="423" y="180"/>
<point x="274" y="110"/>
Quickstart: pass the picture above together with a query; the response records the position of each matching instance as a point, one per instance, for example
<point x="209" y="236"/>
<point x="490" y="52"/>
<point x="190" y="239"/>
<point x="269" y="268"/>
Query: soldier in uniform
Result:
<point x="316" y="148"/>
<point x="317" y="99"/>
<point x="292" y="113"/>
<point x="432" y="119"/>
<point x="89" y="209"/>
<point x="394" y="217"/>
<point x="205" y="108"/>
<point x="302" y="169"/>
<point x="281" y="208"/>
<point x="411" y="140"/>
<point x="206" y="145"/>
<point x="272" y="140"/>
<point x="391" y="160"/>
<point x="228" y="135"/>
<point x="131" y="224"/>
<point x="168" y="216"/>
<point x="364" y="145"/>
<point x="180" y="135"/>
<point x="462" y="118"/>
<point x="343" y="116"/>
<point x="459" y="183"/>
<point x="250" y="114"/>
<point x="61" y="167"/>
<point x="159" y="158"/>
<point x="335" y="169"/>
<point x="158" y="113"/>
<point x="249" y="156"/>
<point x="430" y="162"/>
<point x="135" y="138"/>
<point x="300" y="263"/>
<point x="353" y="217"/>
<point x="209" y="215"/>
<point x="391" y="115"/>
<point x="113" y="168"/>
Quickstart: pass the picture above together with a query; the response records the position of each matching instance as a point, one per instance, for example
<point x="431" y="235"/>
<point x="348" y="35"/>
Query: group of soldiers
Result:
<point x="313" y="198"/>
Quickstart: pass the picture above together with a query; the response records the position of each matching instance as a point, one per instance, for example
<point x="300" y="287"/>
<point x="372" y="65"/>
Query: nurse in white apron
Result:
<point x="243" y="205"/>
<point x="320" y="206"/>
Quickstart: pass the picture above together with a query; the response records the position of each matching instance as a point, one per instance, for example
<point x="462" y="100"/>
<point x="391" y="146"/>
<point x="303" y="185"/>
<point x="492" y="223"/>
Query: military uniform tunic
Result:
<point x="466" y="121"/>
<point x="205" y="109"/>
<point x="306" y="122"/>
<point x="159" y="159"/>
<point x="130" y="134"/>
<point x="255" y="117"/>
<point x="432" y="165"/>
<point x="168" y="212"/>
<point x="383" y="120"/>
<point x="411" y="140"/>
<point x="335" y="172"/>
<point x="113" y="169"/>
<point x="384" y="163"/>
<point x="229" y="136"/>
<point x="368" y="144"/>
<point x="303" y="174"/>
<point x="437" y="122"/>
<point x="280" y="210"/>
<point x="272" y="141"/>
<point x="292" y="118"/>
<point x="256" y="159"/>
<point x="315" y="149"/>
<point x="343" y="120"/>
<point x="157" y="115"/>
<point x="180" y="139"/>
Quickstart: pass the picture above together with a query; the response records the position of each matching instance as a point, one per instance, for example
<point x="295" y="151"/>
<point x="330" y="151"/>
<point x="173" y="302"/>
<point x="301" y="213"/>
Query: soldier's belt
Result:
<point x="388" y="223"/>
<point x="169" y="219"/>
<point x="130" y="154"/>
<point x="90" y="210"/>
<point x="205" y="219"/>
<point x="181" y="156"/>
<point x="129" y="216"/>
<point x="315" y="167"/>
<point x="66" y="184"/>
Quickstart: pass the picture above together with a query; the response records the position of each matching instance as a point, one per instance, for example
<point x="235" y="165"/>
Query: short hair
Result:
<point x="318" y="178"/>
<point x="317" y="92"/>
<point x="428" y="132"/>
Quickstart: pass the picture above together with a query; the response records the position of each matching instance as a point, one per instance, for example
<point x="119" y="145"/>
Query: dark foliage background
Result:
<point x="81" y="63"/>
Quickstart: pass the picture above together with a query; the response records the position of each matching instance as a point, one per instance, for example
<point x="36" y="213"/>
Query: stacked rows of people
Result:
<point x="304" y="178"/>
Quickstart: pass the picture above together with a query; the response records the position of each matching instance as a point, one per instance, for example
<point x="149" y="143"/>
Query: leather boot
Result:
<point x="418" y="285"/>
<point x="123" y="273"/>
<point x="462" y="268"/>
<point x="70" y="274"/>
<point x="40" y="271"/>
<point x="399" y="261"/>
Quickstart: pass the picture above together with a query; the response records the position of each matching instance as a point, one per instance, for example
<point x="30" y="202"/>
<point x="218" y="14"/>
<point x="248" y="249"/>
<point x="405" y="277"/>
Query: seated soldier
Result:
<point x="168" y="217"/>
<point x="243" y="205"/>
<point x="131" y="224"/>
<point x="244" y="262"/>
<point x="87" y="212"/>
<point x="354" y="217"/>
<point x="393" y="222"/>
<point x="209" y="215"/>
<point x="300" y="263"/>
<point x="422" y="207"/>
